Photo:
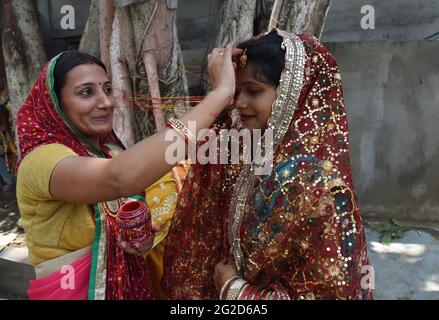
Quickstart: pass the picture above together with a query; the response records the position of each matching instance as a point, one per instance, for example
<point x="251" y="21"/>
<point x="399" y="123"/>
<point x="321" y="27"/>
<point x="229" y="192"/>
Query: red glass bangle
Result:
<point x="245" y="293"/>
<point x="252" y="292"/>
<point x="265" y="294"/>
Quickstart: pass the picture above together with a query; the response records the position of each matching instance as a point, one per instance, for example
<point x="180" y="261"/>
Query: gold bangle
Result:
<point x="183" y="130"/>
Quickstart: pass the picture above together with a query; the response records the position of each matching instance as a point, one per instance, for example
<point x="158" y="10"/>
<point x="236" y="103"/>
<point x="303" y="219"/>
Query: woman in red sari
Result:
<point x="74" y="174"/>
<point x="295" y="233"/>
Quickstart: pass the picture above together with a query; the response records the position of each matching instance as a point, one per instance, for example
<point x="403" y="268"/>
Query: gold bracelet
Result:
<point x="183" y="130"/>
<point x="225" y="285"/>
<point x="235" y="289"/>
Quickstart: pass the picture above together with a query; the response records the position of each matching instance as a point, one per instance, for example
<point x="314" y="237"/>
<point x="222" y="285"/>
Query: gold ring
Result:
<point x="221" y="53"/>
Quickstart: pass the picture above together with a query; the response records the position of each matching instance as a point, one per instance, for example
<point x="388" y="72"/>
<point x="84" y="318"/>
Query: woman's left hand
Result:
<point x="224" y="270"/>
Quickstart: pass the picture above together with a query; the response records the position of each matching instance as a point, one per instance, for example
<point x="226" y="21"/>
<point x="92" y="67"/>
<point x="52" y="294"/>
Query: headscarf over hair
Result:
<point x="296" y="231"/>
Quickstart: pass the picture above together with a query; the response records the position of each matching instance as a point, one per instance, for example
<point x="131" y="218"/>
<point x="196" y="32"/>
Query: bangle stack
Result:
<point x="178" y="126"/>
<point x="235" y="289"/>
<point x="226" y="286"/>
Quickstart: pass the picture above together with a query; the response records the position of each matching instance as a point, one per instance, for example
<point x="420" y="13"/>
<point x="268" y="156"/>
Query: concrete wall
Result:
<point x="392" y="97"/>
<point x="397" y="20"/>
<point x="49" y="16"/>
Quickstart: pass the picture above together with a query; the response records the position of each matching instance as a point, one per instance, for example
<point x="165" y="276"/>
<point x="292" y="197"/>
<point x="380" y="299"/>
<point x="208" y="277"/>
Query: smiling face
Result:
<point x="254" y="99"/>
<point x="87" y="100"/>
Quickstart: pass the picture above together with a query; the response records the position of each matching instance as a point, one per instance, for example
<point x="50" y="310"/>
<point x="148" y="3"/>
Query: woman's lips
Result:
<point x="245" y="117"/>
<point x="102" y="118"/>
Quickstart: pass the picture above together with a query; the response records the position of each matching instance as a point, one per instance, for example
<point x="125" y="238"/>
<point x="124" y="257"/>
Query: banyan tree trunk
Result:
<point x="90" y="36"/>
<point x="146" y="67"/>
<point x="299" y="16"/>
<point x="159" y="60"/>
<point x="23" y="50"/>
<point x="121" y="60"/>
<point x="97" y="32"/>
<point x="237" y="21"/>
<point x="106" y="17"/>
<point x="159" y="72"/>
<point x="108" y="34"/>
<point x="262" y="16"/>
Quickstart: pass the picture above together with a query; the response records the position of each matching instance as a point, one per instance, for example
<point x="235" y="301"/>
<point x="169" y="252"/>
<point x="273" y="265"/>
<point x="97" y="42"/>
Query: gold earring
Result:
<point x="243" y="59"/>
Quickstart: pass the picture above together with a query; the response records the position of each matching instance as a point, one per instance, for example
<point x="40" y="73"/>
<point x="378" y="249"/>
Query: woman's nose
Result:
<point x="240" y="102"/>
<point x="105" y="101"/>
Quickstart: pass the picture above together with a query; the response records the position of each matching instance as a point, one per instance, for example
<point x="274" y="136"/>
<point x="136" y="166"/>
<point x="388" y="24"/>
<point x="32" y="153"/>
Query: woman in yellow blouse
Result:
<point x="74" y="175"/>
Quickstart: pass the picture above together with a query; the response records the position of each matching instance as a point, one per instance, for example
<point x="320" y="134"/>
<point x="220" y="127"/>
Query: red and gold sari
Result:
<point x="105" y="271"/>
<point x="295" y="233"/>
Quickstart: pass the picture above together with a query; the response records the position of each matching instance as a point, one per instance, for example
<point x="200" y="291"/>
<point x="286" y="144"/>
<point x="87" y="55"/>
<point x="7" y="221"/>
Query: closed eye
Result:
<point x="253" y="92"/>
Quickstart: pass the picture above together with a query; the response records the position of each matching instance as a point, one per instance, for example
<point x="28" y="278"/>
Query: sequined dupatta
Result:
<point x="296" y="231"/>
<point x="281" y="116"/>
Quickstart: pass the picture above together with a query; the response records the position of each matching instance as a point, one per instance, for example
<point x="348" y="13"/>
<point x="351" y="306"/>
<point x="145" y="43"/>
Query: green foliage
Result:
<point x="390" y="231"/>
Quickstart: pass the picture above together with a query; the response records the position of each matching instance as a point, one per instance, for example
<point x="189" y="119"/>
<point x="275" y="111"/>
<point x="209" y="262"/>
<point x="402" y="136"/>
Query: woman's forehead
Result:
<point x="87" y="73"/>
<point x="247" y="76"/>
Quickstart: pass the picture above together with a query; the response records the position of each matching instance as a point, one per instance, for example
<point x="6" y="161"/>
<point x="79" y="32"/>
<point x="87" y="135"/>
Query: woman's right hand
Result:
<point x="222" y="70"/>
<point x="137" y="250"/>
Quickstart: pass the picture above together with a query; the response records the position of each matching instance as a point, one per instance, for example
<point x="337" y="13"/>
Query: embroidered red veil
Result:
<point x="297" y="231"/>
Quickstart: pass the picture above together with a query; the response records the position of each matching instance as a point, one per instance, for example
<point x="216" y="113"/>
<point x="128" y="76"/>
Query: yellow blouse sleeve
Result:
<point x="36" y="169"/>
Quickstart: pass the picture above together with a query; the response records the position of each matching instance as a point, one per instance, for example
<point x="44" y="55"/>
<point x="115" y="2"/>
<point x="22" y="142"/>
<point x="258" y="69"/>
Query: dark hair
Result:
<point x="66" y="62"/>
<point x="266" y="57"/>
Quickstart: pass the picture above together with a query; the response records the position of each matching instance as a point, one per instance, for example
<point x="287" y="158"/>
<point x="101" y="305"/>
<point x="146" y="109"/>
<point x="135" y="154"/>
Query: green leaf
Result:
<point x="377" y="228"/>
<point x="381" y="228"/>
<point x="399" y="233"/>
<point x="386" y="239"/>
<point x="396" y="222"/>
